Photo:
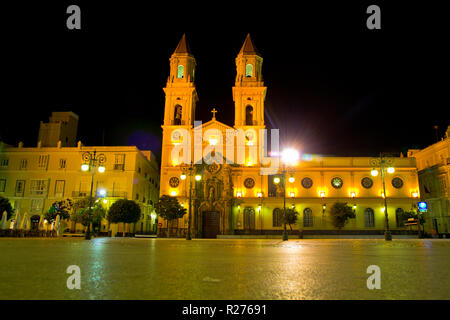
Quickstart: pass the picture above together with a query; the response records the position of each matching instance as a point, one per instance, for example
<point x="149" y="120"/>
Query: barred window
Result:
<point x="369" y="218"/>
<point x="307" y="218"/>
<point x="277" y="217"/>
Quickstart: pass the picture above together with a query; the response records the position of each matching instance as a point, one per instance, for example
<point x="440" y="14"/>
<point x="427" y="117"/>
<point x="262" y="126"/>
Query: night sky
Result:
<point x="334" y="87"/>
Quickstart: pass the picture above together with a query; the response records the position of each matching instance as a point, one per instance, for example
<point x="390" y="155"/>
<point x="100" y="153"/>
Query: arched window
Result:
<point x="249" y="116"/>
<point x="180" y="73"/>
<point x="369" y="218"/>
<point x="399" y="217"/>
<point x="277" y="217"/>
<point x="249" y="70"/>
<point x="177" y="115"/>
<point x="307" y="218"/>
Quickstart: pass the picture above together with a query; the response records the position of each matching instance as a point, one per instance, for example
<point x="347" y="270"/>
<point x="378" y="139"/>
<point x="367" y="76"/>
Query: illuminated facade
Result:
<point x="33" y="178"/>
<point x="236" y="198"/>
<point x="433" y="164"/>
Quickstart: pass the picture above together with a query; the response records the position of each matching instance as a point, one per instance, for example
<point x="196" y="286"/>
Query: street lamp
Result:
<point x="198" y="177"/>
<point x="384" y="164"/>
<point x="288" y="156"/>
<point x="92" y="161"/>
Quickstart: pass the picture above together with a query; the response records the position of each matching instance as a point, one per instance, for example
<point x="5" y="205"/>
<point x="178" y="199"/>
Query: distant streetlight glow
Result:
<point x="290" y="156"/>
<point x="198" y="177"/>
<point x="276" y="180"/>
<point x="101" y="169"/>
<point x="183" y="177"/>
<point x="390" y="170"/>
<point x="291" y="179"/>
<point x="374" y="172"/>
<point x="84" y="167"/>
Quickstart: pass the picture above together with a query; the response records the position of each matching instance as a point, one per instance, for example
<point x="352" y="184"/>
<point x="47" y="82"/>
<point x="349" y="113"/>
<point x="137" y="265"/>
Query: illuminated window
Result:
<point x="180" y="73"/>
<point x="249" y="70"/>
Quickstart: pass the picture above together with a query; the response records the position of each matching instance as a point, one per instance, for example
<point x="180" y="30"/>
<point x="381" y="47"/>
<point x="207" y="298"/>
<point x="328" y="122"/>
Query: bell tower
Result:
<point x="181" y="95"/>
<point x="249" y="91"/>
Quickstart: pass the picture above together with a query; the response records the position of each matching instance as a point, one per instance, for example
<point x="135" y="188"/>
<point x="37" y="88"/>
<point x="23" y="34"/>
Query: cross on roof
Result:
<point x="214" y="111"/>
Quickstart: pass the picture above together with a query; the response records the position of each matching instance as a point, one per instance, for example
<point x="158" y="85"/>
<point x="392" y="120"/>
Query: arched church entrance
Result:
<point x="211" y="224"/>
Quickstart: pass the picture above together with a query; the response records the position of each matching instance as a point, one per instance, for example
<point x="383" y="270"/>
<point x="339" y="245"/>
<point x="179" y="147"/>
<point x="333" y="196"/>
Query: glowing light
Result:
<point x="383" y="209"/>
<point x="354" y="206"/>
<point x="390" y="170"/>
<point x="198" y="177"/>
<point x="291" y="179"/>
<point x="183" y="177"/>
<point x="239" y="207"/>
<point x="259" y="208"/>
<point x="102" y="192"/>
<point x="153" y="215"/>
<point x="415" y="194"/>
<point x="238" y="194"/>
<point x="382" y="195"/>
<point x="173" y="193"/>
<point x="276" y="180"/>
<point x="249" y="163"/>
<point x="101" y="169"/>
<point x="290" y="156"/>
<point x="105" y="201"/>
<point x="352" y="194"/>
<point x="322" y="194"/>
<point x="374" y="172"/>
<point x="84" y="167"/>
<point x="259" y="194"/>
<point x="324" y="206"/>
<point x="292" y="194"/>
<point x="212" y="141"/>
<point x="182" y="204"/>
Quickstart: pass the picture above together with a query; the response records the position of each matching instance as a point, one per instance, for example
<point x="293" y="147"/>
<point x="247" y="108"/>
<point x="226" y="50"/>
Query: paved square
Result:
<point x="115" y="268"/>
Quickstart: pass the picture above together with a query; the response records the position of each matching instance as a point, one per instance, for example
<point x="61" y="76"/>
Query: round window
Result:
<point x="174" y="182"/>
<point x="249" y="183"/>
<point x="337" y="182"/>
<point x="367" y="182"/>
<point x="397" y="183"/>
<point x="307" y="183"/>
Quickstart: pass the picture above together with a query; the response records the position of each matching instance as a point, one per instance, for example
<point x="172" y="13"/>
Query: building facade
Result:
<point x="433" y="164"/>
<point x="33" y="178"/>
<point x="236" y="193"/>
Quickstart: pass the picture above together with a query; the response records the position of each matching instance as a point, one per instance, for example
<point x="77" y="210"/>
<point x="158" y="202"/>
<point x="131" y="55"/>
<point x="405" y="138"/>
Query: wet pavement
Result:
<point x="115" y="268"/>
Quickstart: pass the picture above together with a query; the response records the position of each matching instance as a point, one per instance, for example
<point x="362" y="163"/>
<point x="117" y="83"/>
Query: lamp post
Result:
<point x="198" y="177"/>
<point x="384" y="164"/>
<point x="91" y="162"/>
<point x="288" y="156"/>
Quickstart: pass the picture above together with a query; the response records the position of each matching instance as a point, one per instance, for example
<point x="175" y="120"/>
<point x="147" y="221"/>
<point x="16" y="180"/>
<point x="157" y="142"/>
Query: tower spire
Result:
<point x="248" y="47"/>
<point x="183" y="46"/>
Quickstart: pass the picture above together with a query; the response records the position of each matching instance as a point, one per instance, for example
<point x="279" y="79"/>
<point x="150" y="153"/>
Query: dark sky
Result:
<point x="334" y="87"/>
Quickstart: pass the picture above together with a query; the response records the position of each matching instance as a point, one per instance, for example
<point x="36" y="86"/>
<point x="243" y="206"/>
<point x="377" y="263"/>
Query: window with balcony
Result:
<point x="62" y="163"/>
<point x="43" y="162"/>
<point x="38" y="187"/>
<point x="20" y="188"/>
<point x="119" y="162"/>
<point x="4" y="163"/>
<point x="59" y="188"/>
<point x="23" y="164"/>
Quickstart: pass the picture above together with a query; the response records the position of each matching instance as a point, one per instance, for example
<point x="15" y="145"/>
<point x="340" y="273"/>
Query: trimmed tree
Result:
<point x="291" y="216"/>
<point x="82" y="214"/>
<point x="125" y="211"/>
<point x="340" y="213"/>
<point x="5" y="205"/>
<point x="169" y="209"/>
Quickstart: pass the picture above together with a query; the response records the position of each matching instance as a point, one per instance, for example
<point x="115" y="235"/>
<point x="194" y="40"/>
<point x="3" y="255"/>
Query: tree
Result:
<point x="82" y="214"/>
<point x="5" y="205"/>
<point x="62" y="208"/>
<point x="418" y="216"/>
<point x="125" y="211"/>
<point x="169" y="209"/>
<point x="291" y="216"/>
<point x="340" y="213"/>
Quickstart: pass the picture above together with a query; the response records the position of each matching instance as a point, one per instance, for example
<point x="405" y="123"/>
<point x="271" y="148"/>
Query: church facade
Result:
<point x="233" y="177"/>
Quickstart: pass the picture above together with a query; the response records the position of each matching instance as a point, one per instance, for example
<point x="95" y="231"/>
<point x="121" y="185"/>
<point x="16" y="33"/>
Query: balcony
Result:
<point x="119" y="166"/>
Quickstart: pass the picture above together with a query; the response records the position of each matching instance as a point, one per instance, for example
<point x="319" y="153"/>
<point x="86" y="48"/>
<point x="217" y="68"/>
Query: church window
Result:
<point x="180" y="73"/>
<point x="177" y="115"/>
<point x="249" y="70"/>
<point x="249" y="116"/>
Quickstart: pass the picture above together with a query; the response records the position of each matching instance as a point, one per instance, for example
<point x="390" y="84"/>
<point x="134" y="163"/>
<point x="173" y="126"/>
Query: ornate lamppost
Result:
<point x="385" y="165"/>
<point x="288" y="156"/>
<point x="189" y="169"/>
<point x="91" y="162"/>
